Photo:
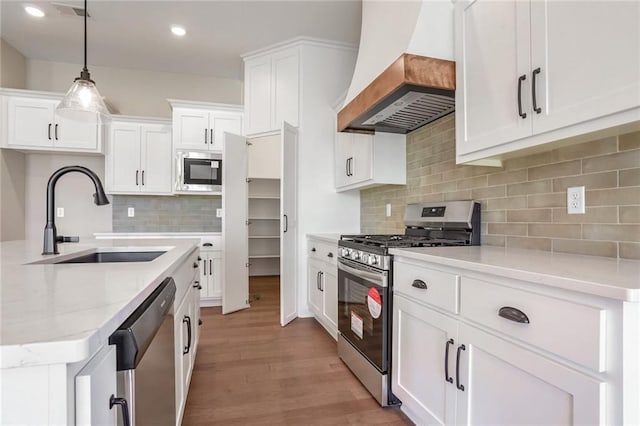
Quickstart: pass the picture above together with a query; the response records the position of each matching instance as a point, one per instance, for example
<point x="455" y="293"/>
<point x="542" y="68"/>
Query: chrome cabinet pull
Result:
<point x="458" y="385"/>
<point x="533" y="90"/>
<point x="419" y="284"/>
<point x="124" y="407"/>
<point x="513" y="314"/>
<point x="522" y="78"/>
<point x="446" y="362"/>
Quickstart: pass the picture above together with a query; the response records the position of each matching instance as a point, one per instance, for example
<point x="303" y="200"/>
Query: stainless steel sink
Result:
<point x="108" y="255"/>
<point x="115" y="256"/>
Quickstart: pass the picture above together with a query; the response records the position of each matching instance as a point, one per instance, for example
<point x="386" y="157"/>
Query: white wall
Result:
<point x="74" y="192"/>
<point x="12" y="163"/>
<point x="12" y="67"/>
<point x="135" y="92"/>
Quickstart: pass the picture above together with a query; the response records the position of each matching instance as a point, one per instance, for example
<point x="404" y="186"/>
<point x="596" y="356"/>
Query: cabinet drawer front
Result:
<point x="571" y="330"/>
<point x="442" y="288"/>
<point x="322" y="251"/>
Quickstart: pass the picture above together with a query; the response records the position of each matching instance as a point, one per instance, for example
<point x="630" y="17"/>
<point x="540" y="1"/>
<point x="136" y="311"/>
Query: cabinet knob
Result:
<point x="330" y="254"/>
<point x="313" y="249"/>
<point x="195" y="265"/>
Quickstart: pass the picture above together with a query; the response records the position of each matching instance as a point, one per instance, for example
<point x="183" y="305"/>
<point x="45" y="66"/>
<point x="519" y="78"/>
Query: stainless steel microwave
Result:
<point x="198" y="172"/>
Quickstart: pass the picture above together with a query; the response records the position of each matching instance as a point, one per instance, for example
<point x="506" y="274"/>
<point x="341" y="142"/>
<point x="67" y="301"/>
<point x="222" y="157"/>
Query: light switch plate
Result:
<point x="131" y="212"/>
<point x="60" y="212"/>
<point x="388" y="209"/>
<point x="218" y="212"/>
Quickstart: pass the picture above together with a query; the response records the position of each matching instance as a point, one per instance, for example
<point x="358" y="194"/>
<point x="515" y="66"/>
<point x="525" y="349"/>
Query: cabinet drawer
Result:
<point x="442" y="288"/>
<point x="322" y="251"/>
<point x="568" y="329"/>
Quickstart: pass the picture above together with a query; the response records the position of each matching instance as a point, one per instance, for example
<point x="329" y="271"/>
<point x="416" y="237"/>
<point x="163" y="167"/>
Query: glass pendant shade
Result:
<point x="83" y="103"/>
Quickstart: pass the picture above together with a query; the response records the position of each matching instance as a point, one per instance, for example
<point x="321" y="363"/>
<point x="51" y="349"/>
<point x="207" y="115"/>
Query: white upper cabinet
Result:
<point x="363" y="161"/>
<point x="272" y="92"/>
<point x="201" y="126"/>
<point x="534" y="72"/>
<point x="139" y="158"/>
<point x="32" y="124"/>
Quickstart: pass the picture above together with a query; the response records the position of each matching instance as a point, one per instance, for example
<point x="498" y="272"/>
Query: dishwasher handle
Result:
<point x="134" y="336"/>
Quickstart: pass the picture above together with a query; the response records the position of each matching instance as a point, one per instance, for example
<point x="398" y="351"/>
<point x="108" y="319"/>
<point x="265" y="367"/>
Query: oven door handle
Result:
<point x="377" y="278"/>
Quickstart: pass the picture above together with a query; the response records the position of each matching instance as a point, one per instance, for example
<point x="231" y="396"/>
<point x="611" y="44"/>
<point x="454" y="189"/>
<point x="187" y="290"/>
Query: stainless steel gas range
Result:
<point x="365" y="285"/>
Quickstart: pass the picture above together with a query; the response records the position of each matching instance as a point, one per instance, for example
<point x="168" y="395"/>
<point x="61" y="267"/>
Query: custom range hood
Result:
<point x="416" y="38"/>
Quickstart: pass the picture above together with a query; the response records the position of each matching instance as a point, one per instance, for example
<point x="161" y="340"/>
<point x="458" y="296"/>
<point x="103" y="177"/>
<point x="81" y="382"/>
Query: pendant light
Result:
<point x="83" y="101"/>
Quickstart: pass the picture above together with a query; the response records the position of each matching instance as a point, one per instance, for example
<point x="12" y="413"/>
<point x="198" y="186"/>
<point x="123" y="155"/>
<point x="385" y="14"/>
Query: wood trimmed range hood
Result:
<point x="410" y="93"/>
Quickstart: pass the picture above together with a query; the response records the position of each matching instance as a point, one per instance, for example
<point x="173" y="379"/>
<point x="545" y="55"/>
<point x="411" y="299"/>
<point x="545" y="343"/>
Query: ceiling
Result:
<point x="135" y="34"/>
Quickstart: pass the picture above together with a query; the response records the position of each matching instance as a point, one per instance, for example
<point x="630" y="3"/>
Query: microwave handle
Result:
<point x="179" y="172"/>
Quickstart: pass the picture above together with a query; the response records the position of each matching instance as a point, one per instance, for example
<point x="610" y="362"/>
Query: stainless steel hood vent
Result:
<point x="412" y="92"/>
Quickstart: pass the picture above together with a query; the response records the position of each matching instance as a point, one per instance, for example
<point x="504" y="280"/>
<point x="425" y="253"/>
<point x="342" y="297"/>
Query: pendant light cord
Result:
<point x="85" y="36"/>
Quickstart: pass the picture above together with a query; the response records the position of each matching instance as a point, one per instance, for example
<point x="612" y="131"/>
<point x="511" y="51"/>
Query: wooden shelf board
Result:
<point x="263" y="236"/>
<point x="264" y="256"/>
<point x="263" y="197"/>
<point x="264" y="218"/>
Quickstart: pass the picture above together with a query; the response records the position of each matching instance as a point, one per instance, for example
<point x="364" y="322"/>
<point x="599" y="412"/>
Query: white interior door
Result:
<point x="235" y="289"/>
<point x="289" y="225"/>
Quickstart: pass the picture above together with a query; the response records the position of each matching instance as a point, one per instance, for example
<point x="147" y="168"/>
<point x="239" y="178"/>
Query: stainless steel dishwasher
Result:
<point x="145" y="361"/>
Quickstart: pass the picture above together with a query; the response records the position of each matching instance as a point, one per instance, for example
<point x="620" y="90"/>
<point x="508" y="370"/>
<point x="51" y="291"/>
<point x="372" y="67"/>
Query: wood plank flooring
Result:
<point x="249" y="370"/>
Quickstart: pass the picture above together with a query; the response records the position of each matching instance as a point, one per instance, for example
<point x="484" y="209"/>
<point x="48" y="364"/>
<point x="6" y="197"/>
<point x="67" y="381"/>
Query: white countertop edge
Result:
<point x="579" y="285"/>
<point x="330" y="238"/>
<point x="118" y="235"/>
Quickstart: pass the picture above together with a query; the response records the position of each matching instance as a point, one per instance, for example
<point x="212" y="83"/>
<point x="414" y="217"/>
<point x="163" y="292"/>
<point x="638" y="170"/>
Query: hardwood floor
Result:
<point x="249" y="370"/>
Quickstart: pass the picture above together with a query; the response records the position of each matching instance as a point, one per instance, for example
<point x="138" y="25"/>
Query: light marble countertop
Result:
<point x="114" y="235"/>
<point x="600" y="276"/>
<point x="330" y="238"/>
<point x="64" y="313"/>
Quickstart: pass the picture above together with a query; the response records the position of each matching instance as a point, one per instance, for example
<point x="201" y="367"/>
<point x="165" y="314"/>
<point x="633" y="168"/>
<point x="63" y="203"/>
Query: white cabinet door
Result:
<point x="235" y="234"/>
<point x="330" y="296"/>
<point x="30" y="122"/>
<point x="505" y="384"/>
<point x="221" y="123"/>
<point x="492" y="52"/>
<point x="204" y="275"/>
<point x="191" y="129"/>
<point x="285" y="80"/>
<point x="361" y="166"/>
<point x="95" y="385"/>
<point x="123" y="158"/>
<point x="258" y="95"/>
<point x="343" y="148"/>
<point x="289" y="225"/>
<point x="75" y="135"/>
<point x="156" y="158"/>
<point x="215" y="274"/>
<point x="314" y="279"/>
<point x="421" y="339"/>
<point x="588" y="54"/>
<point x="195" y="322"/>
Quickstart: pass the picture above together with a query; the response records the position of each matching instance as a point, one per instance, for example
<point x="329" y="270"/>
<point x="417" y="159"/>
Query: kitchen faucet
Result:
<point x="50" y="234"/>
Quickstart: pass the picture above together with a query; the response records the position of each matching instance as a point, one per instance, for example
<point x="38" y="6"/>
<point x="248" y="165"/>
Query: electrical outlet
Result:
<point x="60" y="212"/>
<point x="388" y="209"/>
<point x="575" y="200"/>
<point x="131" y="212"/>
<point x="218" y="212"/>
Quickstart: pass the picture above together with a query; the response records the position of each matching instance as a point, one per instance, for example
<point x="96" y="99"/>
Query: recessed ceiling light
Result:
<point x="34" y="11"/>
<point x="179" y="31"/>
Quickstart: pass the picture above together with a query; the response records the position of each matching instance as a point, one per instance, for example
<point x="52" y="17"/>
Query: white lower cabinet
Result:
<point x="493" y="369"/>
<point x="95" y="386"/>
<point x="421" y="339"/>
<point x="322" y="280"/>
<point x="505" y="384"/>
<point x="211" y="278"/>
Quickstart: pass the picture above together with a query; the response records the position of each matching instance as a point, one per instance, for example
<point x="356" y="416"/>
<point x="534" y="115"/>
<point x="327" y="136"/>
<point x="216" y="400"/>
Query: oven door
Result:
<point x="363" y="311"/>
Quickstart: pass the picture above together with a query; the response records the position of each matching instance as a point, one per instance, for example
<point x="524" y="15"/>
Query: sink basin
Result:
<point x="124" y="254"/>
<point x="115" y="256"/>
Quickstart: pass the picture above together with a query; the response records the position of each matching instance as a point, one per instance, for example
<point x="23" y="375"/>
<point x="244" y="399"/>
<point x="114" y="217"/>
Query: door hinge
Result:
<point x="247" y="264"/>
<point x="248" y="180"/>
<point x="249" y="143"/>
<point x="247" y="222"/>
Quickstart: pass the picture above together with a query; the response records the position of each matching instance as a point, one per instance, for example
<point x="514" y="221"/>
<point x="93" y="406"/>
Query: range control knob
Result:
<point x="373" y="260"/>
<point x="346" y="252"/>
<point x="356" y="255"/>
<point x="365" y="257"/>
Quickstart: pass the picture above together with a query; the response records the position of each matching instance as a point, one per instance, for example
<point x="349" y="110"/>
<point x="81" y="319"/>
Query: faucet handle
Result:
<point x="62" y="239"/>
